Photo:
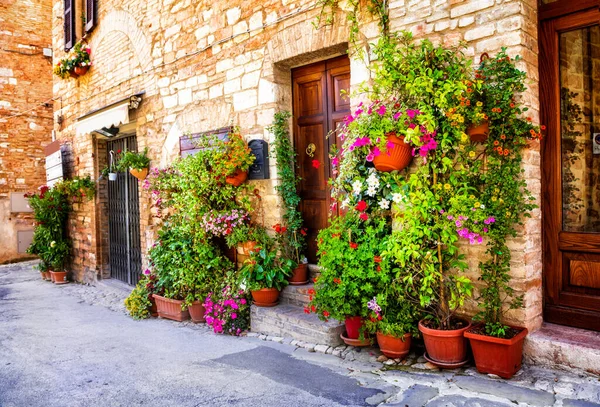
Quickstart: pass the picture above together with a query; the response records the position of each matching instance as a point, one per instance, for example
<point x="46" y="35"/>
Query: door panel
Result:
<point x="318" y="107"/>
<point x="570" y="89"/>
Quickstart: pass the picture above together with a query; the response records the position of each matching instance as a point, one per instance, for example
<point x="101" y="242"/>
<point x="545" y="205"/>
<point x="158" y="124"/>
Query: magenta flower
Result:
<point x="397" y="115"/>
<point x="370" y="157"/>
<point x="411" y="113"/>
<point x="381" y="111"/>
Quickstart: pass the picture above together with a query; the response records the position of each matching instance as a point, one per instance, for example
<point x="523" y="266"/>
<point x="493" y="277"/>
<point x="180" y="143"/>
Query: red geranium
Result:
<point x="361" y="206"/>
<point x="364" y="217"/>
<point x="353" y="245"/>
<point x="303" y="231"/>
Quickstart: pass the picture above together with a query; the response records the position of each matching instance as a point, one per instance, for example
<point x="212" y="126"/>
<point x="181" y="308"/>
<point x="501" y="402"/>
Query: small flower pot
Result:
<point x="393" y="346"/>
<point x="73" y="74"/>
<point x="265" y="297"/>
<point x="81" y="70"/>
<point x="497" y="356"/>
<point x="353" y="327"/>
<point x="238" y="178"/>
<point x="197" y="311"/>
<point x="299" y="275"/>
<point x="112" y="176"/>
<point x="479" y="133"/>
<point x="170" y="309"/>
<point x="139" y="174"/>
<point x="59" y="277"/>
<point x="395" y="159"/>
<point x="445" y="346"/>
<point x="45" y="275"/>
<point x="355" y="342"/>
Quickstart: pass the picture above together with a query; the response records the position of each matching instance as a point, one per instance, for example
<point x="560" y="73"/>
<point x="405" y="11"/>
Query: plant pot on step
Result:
<point x="197" y="311"/>
<point x="393" y="346"/>
<point x="170" y="309"/>
<point x="112" y="176"/>
<point x="153" y="309"/>
<point x="396" y="158"/>
<point x="139" y="174"/>
<point x="51" y="276"/>
<point x="238" y="178"/>
<point x="299" y="275"/>
<point x="497" y="356"/>
<point x="479" y="133"/>
<point x="446" y="348"/>
<point x="81" y="70"/>
<point x="353" y="327"/>
<point x="59" y="277"/>
<point x="265" y="297"/>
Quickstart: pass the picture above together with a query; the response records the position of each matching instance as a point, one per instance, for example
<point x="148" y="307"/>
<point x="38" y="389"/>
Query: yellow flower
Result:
<point x="508" y="213"/>
<point x="471" y="196"/>
<point x="496" y="190"/>
<point x="461" y="119"/>
<point x="447" y="186"/>
<point x="479" y="104"/>
<point x="501" y="200"/>
<point x="464" y="138"/>
<point x="477" y="204"/>
<point x="494" y="199"/>
<point x="472" y="154"/>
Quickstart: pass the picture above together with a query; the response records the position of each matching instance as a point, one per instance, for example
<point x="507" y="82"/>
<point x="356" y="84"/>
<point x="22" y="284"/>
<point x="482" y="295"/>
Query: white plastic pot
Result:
<point x="112" y="176"/>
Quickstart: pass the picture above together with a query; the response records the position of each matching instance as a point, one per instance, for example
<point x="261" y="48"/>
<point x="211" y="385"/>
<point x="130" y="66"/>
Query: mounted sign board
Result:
<point x="260" y="168"/>
<point x="54" y="167"/>
<point x="18" y="203"/>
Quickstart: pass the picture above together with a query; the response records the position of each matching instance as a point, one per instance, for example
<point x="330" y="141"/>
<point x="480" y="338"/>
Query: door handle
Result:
<point x="310" y="150"/>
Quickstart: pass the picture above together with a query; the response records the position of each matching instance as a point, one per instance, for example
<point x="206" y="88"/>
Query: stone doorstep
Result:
<point x="286" y="320"/>
<point x="562" y="346"/>
<point x="296" y="295"/>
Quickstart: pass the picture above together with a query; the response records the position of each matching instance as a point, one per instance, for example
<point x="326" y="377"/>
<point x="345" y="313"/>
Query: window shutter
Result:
<point x="90" y="15"/>
<point x="69" y="24"/>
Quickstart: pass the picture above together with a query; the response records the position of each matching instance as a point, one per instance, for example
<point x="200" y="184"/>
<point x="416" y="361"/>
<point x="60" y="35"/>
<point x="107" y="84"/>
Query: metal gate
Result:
<point x="125" y="255"/>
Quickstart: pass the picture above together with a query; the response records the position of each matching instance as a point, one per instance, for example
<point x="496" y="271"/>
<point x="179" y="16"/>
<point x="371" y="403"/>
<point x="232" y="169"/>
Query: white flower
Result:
<point x="371" y="191"/>
<point x="373" y="181"/>
<point x="397" y="197"/>
<point x="384" y="204"/>
<point x="345" y="203"/>
<point x="482" y="206"/>
<point x="52" y="243"/>
<point x="357" y="187"/>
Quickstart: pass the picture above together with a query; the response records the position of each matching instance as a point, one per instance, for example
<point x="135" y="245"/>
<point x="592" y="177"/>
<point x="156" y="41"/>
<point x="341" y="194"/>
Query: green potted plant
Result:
<point x="137" y="163"/>
<point x="44" y="269"/>
<point x="265" y="275"/>
<point x="247" y="237"/>
<point x="231" y="158"/>
<point x="291" y="236"/>
<point x="56" y="255"/>
<point x="76" y="63"/>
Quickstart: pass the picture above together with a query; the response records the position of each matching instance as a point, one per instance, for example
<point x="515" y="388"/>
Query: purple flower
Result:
<point x="450" y="217"/>
<point x="485" y="230"/>
<point x="458" y="223"/>
<point x="442" y="211"/>
<point x="489" y="220"/>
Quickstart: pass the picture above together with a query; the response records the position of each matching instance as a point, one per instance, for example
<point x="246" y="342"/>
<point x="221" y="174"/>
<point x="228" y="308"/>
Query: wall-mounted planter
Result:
<point x="81" y="70"/>
<point x="479" y="133"/>
<point x="396" y="158"/>
<point x="139" y="174"/>
<point x="238" y="178"/>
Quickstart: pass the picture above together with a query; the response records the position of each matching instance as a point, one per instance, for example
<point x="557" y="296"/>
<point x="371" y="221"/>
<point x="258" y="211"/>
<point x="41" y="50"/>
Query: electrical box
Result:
<point x="260" y="168"/>
<point x="24" y="239"/>
<point x="18" y="203"/>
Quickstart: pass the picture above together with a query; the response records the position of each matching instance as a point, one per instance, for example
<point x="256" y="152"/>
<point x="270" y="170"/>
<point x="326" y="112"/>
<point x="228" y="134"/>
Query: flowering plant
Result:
<point x="264" y="269"/>
<point x="223" y="223"/>
<point x="230" y="155"/>
<point x="134" y="160"/>
<point x="391" y="314"/>
<point x="248" y="232"/>
<point x="138" y="303"/>
<point x="79" y="56"/>
<point x="228" y="311"/>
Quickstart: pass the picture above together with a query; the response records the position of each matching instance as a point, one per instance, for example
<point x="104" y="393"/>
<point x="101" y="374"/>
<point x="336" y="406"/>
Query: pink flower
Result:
<point x="233" y="315"/>
<point x="335" y="161"/>
<point x="376" y="151"/>
<point x="243" y="301"/>
<point x="381" y="111"/>
<point x="370" y="157"/>
<point x="397" y="115"/>
<point x="411" y="113"/>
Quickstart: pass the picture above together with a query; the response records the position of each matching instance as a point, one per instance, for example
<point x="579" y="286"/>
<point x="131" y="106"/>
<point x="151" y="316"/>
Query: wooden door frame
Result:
<point x="554" y="241"/>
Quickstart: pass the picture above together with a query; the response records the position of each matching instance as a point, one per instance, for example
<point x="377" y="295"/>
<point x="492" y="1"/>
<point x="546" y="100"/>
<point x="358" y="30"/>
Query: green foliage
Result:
<point x="77" y="187"/>
<point x="291" y="241"/>
<point x="138" y="302"/>
<point x="79" y="56"/>
<point x="391" y="313"/>
<point x="249" y="232"/>
<point x="265" y="270"/>
<point x="134" y="160"/>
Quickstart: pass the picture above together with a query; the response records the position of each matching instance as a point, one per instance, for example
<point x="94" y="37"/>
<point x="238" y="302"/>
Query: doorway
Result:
<point x="125" y="254"/>
<point x="319" y="105"/>
<point x="570" y="95"/>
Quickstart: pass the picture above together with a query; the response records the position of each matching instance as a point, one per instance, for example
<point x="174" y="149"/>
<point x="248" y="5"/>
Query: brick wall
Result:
<point x="25" y="125"/>
<point x="204" y="66"/>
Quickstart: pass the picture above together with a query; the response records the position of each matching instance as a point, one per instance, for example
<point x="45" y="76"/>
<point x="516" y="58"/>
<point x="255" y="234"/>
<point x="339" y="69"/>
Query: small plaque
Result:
<point x="260" y="168"/>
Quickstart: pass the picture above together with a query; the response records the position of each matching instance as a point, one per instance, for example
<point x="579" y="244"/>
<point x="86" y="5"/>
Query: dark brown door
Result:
<point x="570" y="96"/>
<point x="319" y="106"/>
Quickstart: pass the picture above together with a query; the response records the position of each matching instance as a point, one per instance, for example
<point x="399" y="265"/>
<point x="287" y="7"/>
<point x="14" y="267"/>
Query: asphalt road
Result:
<point x="56" y="350"/>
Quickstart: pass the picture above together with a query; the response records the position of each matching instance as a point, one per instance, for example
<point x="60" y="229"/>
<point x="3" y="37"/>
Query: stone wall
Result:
<point x="25" y="124"/>
<point x="204" y="66"/>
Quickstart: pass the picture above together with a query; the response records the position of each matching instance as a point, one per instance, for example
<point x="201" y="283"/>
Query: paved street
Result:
<point x="74" y="345"/>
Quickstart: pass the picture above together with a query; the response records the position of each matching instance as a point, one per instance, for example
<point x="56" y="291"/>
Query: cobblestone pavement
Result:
<point x="75" y="345"/>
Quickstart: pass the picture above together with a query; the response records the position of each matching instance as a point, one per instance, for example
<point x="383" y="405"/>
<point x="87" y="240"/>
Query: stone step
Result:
<point x="296" y="295"/>
<point x="290" y="321"/>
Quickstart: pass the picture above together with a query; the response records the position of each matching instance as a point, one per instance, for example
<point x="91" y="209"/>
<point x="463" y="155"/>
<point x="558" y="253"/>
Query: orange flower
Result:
<point x="512" y="105"/>
<point x="496" y="142"/>
<point x="353" y="245"/>
<point x="543" y="127"/>
<point x="529" y="119"/>
<point x="377" y="259"/>
<point x="503" y="136"/>
<point x="506" y="152"/>
<point x="337" y="281"/>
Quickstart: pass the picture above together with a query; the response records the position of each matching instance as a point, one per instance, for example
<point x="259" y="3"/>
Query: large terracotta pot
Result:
<point x="51" y="275"/>
<point x="139" y="174"/>
<point x="197" y="311"/>
<point x="59" y="277"/>
<point x="265" y="297"/>
<point x="396" y="158"/>
<point x="498" y="356"/>
<point x="394" y="347"/>
<point x="170" y="309"/>
<point x="81" y="70"/>
<point x="353" y="327"/>
<point x="237" y="178"/>
<point x="299" y="275"/>
<point x="445" y="346"/>
<point x="479" y="133"/>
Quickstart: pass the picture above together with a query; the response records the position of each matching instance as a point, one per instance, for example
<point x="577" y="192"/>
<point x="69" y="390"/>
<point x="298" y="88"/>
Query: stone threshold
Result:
<point x="564" y="347"/>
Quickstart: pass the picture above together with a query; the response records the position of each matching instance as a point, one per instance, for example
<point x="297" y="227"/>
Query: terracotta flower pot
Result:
<point x="81" y="70"/>
<point x="498" y="356"/>
<point x="299" y="275"/>
<point x="59" y="277"/>
<point x="479" y="133"/>
<point x="197" y="311"/>
<point x="394" y="347"/>
<point x="247" y="247"/>
<point x="45" y="275"/>
<point x="445" y="346"/>
<point x="265" y="297"/>
<point x="238" y="178"/>
<point x="73" y="74"/>
<point x="170" y="309"/>
<point x="153" y="309"/>
<point x="139" y="174"/>
<point x="51" y="276"/>
<point x="395" y="159"/>
<point x="353" y="327"/>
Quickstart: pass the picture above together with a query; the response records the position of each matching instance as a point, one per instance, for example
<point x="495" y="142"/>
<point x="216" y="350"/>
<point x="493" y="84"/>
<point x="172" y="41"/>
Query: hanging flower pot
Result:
<point x="238" y="178"/>
<point x="81" y="70"/>
<point x="265" y="297"/>
<point x="139" y="174"/>
<point x="112" y="176"/>
<point x="197" y="311"/>
<point x="479" y="133"/>
<point x="497" y="356"/>
<point x="395" y="158"/>
<point x="170" y="309"/>
<point x="446" y="348"/>
<point x="59" y="277"/>
<point x="393" y="346"/>
<point x="73" y="74"/>
<point x="299" y="275"/>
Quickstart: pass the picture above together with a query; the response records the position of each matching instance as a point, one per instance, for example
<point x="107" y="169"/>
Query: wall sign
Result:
<point x="260" y="168"/>
<point x="54" y="166"/>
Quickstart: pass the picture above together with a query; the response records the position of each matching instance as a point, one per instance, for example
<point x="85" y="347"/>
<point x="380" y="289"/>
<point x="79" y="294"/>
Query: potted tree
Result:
<point x="57" y="255"/>
<point x="137" y="163"/>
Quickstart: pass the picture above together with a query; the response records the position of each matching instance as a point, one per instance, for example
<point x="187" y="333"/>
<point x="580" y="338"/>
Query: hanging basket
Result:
<point x="139" y="174"/>
<point x="479" y="133"/>
<point x="81" y="70"/>
<point x="396" y="158"/>
<point x="238" y="178"/>
<point x="112" y="176"/>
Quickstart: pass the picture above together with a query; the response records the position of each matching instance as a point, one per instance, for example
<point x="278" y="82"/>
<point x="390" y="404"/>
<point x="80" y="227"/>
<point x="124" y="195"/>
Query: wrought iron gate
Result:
<point x="125" y="256"/>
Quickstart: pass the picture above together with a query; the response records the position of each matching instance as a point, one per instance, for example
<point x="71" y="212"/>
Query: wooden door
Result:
<point x="318" y="106"/>
<point x="570" y="102"/>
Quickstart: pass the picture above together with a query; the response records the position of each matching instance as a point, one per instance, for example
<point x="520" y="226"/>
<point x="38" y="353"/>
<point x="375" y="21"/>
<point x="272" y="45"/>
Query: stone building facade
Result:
<point x="26" y="120"/>
<point x="201" y="66"/>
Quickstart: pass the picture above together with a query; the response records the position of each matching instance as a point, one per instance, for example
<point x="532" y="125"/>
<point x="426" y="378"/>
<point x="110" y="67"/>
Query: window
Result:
<point x="75" y="27"/>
